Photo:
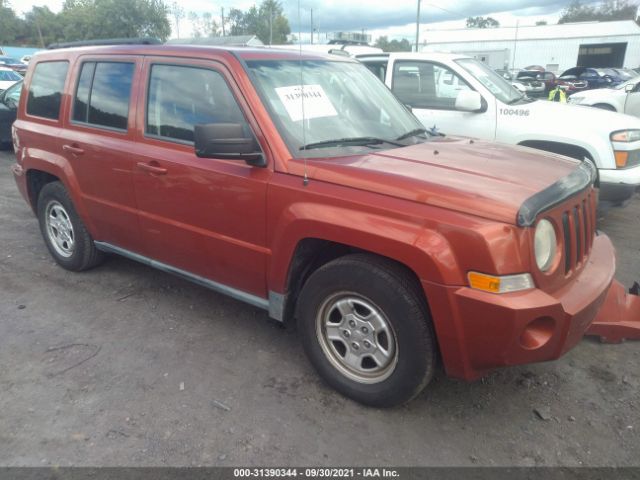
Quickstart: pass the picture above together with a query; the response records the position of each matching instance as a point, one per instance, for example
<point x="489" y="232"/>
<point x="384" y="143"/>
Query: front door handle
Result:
<point x="73" y="149"/>
<point x="154" y="169"/>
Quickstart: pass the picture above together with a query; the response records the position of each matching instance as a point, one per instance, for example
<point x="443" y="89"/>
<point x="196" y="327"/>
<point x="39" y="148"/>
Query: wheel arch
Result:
<point x="307" y="244"/>
<point x="40" y="171"/>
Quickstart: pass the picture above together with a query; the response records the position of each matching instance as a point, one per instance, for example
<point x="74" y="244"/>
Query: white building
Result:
<point x="555" y="47"/>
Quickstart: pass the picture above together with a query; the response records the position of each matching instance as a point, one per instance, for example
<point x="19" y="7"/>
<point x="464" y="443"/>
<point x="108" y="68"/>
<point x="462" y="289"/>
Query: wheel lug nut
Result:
<point x="352" y="324"/>
<point x="367" y="344"/>
<point x="355" y="346"/>
<point x="346" y="333"/>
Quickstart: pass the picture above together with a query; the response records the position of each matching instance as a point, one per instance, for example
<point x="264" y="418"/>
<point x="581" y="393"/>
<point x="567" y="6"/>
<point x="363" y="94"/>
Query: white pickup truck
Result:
<point x="459" y="95"/>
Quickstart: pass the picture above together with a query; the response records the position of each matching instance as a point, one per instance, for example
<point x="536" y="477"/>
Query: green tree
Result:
<point x="608" y="10"/>
<point x="273" y="26"/>
<point x="267" y="22"/>
<point x="539" y="23"/>
<point x="482" y="22"/>
<point x="394" y="45"/>
<point x="11" y="26"/>
<point x="43" y="27"/>
<point x="204" y="25"/>
<point x="95" y="19"/>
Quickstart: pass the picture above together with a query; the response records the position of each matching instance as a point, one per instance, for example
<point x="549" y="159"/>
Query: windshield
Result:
<point x="498" y="86"/>
<point x="624" y="85"/>
<point x="346" y="109"/>
<point x="9" y="76"/>
<point x="9" y="60"/>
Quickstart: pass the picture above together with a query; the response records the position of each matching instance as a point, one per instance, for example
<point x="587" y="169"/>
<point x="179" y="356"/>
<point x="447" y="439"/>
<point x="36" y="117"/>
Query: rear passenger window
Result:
<point x="181" y="97"/>
<point x="45" y="91"/>
<point x="103" y="94"/>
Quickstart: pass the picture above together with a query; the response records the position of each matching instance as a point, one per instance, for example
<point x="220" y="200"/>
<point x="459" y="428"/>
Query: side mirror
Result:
<point x="470" y="101"/>
<point x="226" y="141"/>
<point x="629" y="88"/>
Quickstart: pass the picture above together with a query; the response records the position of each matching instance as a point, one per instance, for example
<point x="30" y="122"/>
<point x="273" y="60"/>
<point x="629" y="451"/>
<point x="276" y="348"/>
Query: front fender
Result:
<point x="426" y="252"/>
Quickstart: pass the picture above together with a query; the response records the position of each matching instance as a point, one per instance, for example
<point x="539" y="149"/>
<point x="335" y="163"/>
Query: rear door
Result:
<point x="204" y="216"/>
<point x="98" y="140"/>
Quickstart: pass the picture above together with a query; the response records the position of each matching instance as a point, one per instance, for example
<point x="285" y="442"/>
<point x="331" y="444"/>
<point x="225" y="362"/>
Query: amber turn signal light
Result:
<point x="500" y="284"/>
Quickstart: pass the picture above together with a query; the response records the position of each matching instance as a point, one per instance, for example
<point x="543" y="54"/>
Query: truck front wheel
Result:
<point x="365" y="327"/>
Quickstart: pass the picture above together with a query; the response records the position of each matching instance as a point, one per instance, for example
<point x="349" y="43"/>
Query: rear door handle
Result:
<point x="73" y="149"/>
<point x="154" y="169"/>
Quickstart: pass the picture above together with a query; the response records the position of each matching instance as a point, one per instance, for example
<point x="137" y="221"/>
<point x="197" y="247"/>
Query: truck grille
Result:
<point x="579" y="226"/>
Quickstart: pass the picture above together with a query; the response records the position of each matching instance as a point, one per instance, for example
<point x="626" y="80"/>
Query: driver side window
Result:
<point x="427" y="85"/>
<point x="180" y="97"/>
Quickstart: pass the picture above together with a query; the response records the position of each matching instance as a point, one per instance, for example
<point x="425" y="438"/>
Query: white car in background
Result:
<point x="624" y="98"/>
<point x="458" y="95"/>
<point x="7" y="78"/>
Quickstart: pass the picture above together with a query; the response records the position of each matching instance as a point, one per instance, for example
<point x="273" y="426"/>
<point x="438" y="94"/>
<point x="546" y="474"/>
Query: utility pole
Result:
<point x="418" y="26"/>
<point x="312" y="26"/>
<point x="515" y="45"/>
<point x="224" y="33"/>
<point x="270" y="25"/>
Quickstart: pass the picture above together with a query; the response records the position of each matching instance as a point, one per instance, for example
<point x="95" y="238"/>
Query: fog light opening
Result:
<point x="537" y="333"/>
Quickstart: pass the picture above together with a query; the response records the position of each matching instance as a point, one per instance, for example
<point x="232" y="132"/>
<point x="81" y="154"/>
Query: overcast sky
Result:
<point x="395" y="18"/>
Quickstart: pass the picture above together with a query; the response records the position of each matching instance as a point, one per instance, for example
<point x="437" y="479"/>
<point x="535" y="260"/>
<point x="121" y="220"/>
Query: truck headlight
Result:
<point x="623" y="136"/>
<point x="626" y="136"/>
<point x="545" y="245"/>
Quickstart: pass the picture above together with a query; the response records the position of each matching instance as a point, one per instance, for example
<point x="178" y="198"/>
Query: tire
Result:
<point x="66" y="237"/>
<point x="398" y="330"/>
<point x="605" y="106"/>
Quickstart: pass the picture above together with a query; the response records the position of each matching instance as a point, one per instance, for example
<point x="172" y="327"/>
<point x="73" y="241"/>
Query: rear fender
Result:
<point x="58" y="166"/>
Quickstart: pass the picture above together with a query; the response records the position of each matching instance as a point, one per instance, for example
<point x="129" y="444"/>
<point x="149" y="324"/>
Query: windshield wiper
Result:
<point x="516" y="100"/>
<point x="413" y="133"/>
<point x="352" y="141"/>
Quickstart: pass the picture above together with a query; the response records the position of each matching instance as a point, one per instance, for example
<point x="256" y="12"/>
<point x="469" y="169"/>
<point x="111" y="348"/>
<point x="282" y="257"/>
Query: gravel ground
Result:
<point x="125" y="365"/>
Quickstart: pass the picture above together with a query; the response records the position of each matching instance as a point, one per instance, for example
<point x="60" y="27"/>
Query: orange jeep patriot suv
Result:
<point x="299" y="184"/>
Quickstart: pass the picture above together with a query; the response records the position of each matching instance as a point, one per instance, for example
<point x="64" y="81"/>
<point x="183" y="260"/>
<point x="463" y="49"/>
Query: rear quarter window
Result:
<point x="45" y="90"/>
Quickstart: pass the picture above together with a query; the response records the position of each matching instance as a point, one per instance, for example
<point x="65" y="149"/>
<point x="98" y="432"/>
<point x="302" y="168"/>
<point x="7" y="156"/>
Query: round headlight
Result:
<point x="545" y="245"/>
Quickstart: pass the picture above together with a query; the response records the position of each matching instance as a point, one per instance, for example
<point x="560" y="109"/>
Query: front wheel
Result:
<point x="365" y="327"/>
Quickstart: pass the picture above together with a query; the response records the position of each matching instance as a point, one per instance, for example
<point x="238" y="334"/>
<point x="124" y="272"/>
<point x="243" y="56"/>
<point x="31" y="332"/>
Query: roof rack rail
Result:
<point x="106" y="41"/>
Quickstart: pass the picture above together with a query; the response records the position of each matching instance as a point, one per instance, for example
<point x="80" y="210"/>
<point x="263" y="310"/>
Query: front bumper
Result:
<point x="479" y="331"/>
<point x="618" y="185"/>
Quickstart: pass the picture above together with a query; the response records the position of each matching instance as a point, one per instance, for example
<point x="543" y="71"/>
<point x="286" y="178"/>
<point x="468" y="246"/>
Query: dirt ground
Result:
<point x="125" y="365"/>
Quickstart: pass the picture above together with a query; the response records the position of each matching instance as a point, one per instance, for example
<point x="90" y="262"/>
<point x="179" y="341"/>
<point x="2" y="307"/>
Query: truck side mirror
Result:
<point x="226" y="141"/>
<point x="470" y="101"/>
<point x="629" y="88"/>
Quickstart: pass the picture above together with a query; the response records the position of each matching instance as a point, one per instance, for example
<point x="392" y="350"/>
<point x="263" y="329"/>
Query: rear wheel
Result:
<point x="366" y="329"/>
<point x="65" y="235"/>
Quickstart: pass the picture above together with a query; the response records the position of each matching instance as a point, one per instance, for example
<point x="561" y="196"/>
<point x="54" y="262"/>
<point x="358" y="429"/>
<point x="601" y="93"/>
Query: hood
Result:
<point x="484" y="179"/>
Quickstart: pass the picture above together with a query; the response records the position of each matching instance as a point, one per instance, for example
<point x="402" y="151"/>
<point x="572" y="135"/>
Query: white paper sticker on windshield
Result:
<point x="316" y="102"/>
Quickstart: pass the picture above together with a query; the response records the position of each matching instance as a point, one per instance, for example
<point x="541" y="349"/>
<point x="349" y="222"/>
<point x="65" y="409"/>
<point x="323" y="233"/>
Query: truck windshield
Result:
<point x="496" y="84"/>
<point x="325" y="108"/>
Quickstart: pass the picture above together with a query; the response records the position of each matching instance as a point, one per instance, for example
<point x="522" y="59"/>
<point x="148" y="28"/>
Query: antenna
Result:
<point x="305" y="181"/>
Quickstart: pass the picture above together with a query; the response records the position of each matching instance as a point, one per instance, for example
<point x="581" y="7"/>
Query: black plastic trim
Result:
<point x="582" y="177"/>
